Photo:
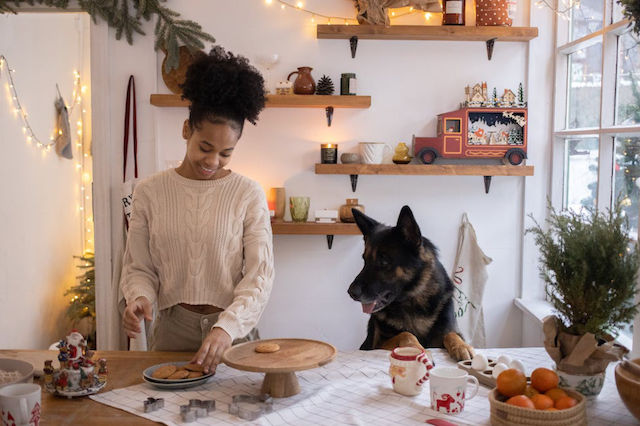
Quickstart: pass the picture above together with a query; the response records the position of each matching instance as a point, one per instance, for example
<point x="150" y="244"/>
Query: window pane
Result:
<point x="580" y="173"/>
<point x="585" y="78"/>
<point x="628" y="81"/>
<point x="616" y="14"/>
<point x="626" y="180"/>
<point x="586" y="18"/>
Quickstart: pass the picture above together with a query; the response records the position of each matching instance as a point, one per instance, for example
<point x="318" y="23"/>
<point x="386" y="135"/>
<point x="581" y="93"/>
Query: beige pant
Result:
<point x="180" y="330"/>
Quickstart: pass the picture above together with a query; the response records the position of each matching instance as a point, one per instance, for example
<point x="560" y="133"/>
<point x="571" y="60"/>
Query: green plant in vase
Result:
<point x="590" y="268"/>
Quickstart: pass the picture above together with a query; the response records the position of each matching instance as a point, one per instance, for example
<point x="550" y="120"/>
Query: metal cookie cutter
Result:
<point x="153" y="404"/>
<point x="197" y="408"/>
<point x="252" y="406"/>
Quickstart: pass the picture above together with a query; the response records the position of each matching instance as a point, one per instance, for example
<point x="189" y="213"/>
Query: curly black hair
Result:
<point x="223" y="87"/>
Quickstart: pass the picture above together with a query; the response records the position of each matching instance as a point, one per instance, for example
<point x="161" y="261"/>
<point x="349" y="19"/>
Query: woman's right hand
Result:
<point x="134" y="313"/>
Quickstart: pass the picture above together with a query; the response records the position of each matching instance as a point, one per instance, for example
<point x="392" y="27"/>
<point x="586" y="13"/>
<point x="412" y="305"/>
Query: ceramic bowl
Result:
<point x="588" y="385"/>
<point x="24" y="368"/>
<point x="629" y="388"/>
<point x="350" y="158"/>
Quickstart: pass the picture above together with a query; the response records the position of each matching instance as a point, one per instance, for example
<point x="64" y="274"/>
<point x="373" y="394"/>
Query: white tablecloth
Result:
<point x="354" y="389"/>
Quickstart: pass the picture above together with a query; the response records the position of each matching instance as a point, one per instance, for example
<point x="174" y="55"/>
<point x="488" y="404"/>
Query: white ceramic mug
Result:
<point x="373" y="152"/>
<point x="449" y="389"/>
<point x="409" y="369"/>
<point x="20" y="404"/>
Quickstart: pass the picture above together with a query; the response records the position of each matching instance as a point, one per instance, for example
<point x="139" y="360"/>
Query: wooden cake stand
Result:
<point x="294" y="355"/>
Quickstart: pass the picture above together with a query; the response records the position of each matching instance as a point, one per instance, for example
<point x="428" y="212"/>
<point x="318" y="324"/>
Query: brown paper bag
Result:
<point x="579" y="354"/>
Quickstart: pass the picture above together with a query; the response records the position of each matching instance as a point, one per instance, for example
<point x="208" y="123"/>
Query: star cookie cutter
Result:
<point x="153" y="404"/>
<point x="197" y="408"/>
<point x="250" y="407"/>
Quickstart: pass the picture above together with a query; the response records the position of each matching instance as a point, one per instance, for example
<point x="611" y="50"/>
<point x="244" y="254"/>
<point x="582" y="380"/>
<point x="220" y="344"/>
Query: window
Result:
<point x="597" y="114"/>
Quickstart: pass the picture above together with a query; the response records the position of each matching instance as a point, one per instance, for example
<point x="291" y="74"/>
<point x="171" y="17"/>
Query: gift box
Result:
<point x="492" y="13"/>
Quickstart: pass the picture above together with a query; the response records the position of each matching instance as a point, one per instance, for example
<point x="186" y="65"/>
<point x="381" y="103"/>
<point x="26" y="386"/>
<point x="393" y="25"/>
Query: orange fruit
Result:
<point x="544" y="379"/>
<point x="511" y="382"/>
<point x="555" y="394"/>
<point x="542" y="402"/>
<point x="521" y="401"/>
<point x="565" y="402"/>
<point x="530" y="391"/>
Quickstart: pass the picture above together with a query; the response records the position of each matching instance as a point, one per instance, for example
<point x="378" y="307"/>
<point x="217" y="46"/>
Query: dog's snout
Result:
<point x="355" y="291"/>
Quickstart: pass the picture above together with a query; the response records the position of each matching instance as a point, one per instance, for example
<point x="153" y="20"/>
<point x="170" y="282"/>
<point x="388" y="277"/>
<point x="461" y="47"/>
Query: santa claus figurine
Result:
<point x="76" y="344"/>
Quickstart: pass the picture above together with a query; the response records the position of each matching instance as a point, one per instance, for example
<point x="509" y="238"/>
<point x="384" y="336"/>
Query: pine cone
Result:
<point x="325" y="86"/>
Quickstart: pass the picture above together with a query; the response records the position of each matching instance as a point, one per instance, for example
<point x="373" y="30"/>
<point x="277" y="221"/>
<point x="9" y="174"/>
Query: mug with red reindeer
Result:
<point x="449" y="389"/>
<point x="409" y="369"/>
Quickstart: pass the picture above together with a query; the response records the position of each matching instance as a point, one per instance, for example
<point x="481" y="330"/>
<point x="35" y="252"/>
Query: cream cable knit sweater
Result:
<point x="201" y="242"/>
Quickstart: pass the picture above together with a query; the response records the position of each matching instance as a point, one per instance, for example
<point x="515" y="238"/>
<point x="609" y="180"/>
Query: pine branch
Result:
<point x="169" y="29"/>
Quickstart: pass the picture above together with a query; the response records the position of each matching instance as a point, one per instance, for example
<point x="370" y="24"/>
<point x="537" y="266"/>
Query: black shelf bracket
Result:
<point x="490" y="44"/>
<point x="487" y="184"/>
<point x="329" y="111"/>
<point x="329" y="241"/>
<point x="354" y="182"/>
<point x="353" y="43"/>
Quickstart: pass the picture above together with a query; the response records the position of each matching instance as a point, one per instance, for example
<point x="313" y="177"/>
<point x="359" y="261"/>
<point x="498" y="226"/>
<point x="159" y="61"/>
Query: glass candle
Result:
<point x="329" y="153"/>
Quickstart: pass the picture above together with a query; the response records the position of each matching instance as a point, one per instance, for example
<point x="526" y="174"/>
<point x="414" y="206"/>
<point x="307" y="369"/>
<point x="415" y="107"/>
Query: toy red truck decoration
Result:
<point x="477" y="132"/>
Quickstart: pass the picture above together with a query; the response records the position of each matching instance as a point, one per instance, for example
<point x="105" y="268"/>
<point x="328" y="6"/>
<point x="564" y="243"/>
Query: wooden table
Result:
<point x="125" y="369"/>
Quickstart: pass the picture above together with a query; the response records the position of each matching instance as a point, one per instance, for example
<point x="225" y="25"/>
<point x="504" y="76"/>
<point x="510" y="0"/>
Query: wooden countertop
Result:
<point x="124" y="369"/>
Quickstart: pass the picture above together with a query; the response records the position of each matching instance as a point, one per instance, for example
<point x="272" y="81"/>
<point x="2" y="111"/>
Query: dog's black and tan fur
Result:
<point x="405" y="288"/>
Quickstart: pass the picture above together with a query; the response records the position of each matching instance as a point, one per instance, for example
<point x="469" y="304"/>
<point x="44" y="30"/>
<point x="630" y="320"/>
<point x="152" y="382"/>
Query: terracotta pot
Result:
<point x="304" y="83"/>
<point x="345" y="210"/>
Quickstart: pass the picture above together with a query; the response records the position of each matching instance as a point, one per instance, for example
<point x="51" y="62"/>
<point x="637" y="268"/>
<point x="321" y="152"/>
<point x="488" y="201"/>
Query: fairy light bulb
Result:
<point x="299" y="5"/>
<point x="268" y="1"/>
<point x="282" y="6"/>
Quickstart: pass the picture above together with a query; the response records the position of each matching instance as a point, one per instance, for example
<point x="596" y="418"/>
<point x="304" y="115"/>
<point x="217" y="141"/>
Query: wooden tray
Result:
<point x="484" y="377"/>
<point x="280" y="367"/>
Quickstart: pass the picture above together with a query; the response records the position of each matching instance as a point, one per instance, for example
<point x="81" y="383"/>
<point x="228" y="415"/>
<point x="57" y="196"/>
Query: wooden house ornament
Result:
<point x="508" y="98"/>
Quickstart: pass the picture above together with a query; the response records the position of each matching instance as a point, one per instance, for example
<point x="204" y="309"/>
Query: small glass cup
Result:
<point x="299" y="207"/>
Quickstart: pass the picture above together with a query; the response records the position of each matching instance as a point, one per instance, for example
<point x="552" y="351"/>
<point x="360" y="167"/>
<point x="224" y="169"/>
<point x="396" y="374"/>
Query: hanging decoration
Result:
<point x="63" y="138"/>
<point x="83" y="163"/>
<point x="563" y="12"/>
<point x="170" y="30"/>
<point x="331" y="19"/>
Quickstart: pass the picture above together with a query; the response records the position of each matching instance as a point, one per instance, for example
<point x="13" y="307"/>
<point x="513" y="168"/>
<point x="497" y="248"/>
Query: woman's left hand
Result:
<point x="210" y="353"/>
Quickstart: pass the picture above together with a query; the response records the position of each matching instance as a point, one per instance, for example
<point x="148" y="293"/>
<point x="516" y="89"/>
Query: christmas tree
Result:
<point x="494" y="100"/>
<point x="83" y="297"/>
<point x="520" y="95"/>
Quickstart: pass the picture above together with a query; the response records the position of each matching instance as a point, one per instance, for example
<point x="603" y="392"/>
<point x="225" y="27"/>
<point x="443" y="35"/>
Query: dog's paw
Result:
<point x="403" y="339"/>
<point x="462" y="351"/>
<point x="458" y="349"/>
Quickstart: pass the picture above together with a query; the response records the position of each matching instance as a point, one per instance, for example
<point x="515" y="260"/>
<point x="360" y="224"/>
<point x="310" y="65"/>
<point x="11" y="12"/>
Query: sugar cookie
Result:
<point x="267" y="348"/>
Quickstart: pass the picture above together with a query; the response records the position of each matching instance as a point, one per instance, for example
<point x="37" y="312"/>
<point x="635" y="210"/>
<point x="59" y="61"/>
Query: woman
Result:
<point x="199" y="242"/>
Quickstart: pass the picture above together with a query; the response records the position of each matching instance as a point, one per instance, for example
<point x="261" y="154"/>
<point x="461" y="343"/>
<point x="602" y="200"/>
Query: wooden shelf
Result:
<point x="487" y="171"/>
<point x="423" y="169"/>
<point x="426" y="32"/>
<point x="313" y="228"/>
<point x="489" y="35"/>
<point x="281" y="101"/>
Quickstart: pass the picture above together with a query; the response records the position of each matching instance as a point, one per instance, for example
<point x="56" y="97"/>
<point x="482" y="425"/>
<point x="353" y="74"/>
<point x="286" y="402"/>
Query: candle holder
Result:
<point x="329" y="153"/>
<point x="276" y="200"/>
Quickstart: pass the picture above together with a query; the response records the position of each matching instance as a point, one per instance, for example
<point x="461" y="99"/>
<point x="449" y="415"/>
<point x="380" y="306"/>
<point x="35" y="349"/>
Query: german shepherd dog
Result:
<point x="405" y="288"/>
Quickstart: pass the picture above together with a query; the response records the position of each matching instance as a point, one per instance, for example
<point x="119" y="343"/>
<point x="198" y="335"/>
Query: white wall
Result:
<point x="410" y="83"/>
<point x="40" y="225"/>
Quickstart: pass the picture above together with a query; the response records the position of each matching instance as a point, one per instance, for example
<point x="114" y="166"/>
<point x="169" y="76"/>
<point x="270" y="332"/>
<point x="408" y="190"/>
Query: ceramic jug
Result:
<point x="303" y="84"/>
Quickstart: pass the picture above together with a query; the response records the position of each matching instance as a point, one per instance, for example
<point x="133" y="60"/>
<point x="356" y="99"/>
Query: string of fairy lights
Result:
<point x="82" y="162"/>
<point x="300" y="6"/>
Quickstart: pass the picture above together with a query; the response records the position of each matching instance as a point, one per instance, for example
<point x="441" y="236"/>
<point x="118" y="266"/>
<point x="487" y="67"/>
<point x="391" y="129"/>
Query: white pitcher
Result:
<point x="373" y="152"/>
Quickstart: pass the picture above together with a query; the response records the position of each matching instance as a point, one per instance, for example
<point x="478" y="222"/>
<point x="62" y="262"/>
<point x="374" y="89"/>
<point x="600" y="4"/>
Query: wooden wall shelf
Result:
<point x="487" y="171"/>
<point x="426" y="32"/>
<point x="313" y="228"/>
<point x="328" y="102"/>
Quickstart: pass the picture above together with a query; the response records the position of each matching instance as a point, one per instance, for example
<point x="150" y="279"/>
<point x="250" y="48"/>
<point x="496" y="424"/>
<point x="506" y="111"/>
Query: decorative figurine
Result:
<point x="75" y="377"/>
<point x="401" y="154"/>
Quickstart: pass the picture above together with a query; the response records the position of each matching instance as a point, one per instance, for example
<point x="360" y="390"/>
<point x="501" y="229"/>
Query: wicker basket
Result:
<point x="503" y="414"/>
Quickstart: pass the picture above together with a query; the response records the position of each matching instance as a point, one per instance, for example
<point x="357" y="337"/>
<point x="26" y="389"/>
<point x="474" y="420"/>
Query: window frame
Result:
<point x="607" y="131"/>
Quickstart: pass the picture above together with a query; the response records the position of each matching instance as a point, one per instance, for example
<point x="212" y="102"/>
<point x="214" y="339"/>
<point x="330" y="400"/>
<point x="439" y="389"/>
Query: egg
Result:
<point x="480" y="362"/>
<point x="505" y="359"/>
<point x="517" y="364"/>
<point x="499" y="368"/>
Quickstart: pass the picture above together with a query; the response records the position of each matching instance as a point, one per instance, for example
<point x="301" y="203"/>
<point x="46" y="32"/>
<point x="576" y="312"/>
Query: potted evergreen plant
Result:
<point x="590" y="267"/>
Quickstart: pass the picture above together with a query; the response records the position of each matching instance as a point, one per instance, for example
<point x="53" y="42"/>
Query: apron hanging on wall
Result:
<point x="469" y="278"/>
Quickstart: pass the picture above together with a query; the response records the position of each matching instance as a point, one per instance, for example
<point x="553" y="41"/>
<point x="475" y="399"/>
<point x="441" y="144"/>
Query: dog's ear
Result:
<point x="409" y="228"/>
<point x="364" y="222"/>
